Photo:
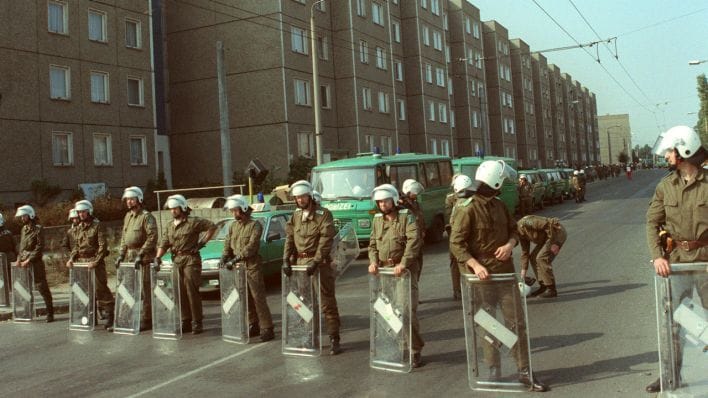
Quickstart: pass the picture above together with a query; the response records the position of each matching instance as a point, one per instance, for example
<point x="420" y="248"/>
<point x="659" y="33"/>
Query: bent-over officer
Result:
<point x="138" y="244"/>
<point x="91" y="246"/>
<point x="678" y="205"/>
<point x="548" y="235"/>
<point x="241" y="245"/>
<point x="411" y="189"/>
<point x="310" y="232"/>
<point x="182" y="238"/>
<point x="482" y="239"/>
<point x="395" y="242"/>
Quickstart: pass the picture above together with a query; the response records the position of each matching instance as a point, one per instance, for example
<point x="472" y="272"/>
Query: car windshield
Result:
<point x="222" y="227"/>
<point x="344" y="183"/>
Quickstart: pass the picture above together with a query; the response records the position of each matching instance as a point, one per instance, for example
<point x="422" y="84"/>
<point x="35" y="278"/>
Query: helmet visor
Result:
<point x="664" y="143"/>
<point x="508" y="172"/>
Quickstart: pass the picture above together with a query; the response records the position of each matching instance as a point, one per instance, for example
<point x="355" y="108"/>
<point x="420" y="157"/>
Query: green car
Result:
<point x="554" y="185"/>
<point x="566" y="176"/>
<point x="271" y="250"/>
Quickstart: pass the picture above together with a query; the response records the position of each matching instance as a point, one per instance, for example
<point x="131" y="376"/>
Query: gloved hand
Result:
<point x="156" y="264"/>
<point x="119" y="260"/>
<point x="223" y="261"/>
<point x="287" y="269"/>
<point x="312" y="268"/>
<point x="138" y="262"/>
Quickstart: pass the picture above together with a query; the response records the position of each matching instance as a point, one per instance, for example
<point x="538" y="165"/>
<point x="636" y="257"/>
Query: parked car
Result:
<point x="568" y="188"/>
<point x="554" y="186"/>
<point x="271" y="247"/>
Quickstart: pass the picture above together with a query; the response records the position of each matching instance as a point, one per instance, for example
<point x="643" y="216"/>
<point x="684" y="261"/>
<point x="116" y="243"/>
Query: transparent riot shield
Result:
<point x="166" y="309"/>
<point x="4" y="281"/>
<point x="234" y="304"/>
<point x="301" y="313"/>
<point x="82" y="300"/>
<point x="22" y="296"/>
<point x="345" y="249"/>
<point x="129" y="283"/>
<point x="682" y="323"/>
<point x="390" y="320"/>
<point x="495" y="333"/>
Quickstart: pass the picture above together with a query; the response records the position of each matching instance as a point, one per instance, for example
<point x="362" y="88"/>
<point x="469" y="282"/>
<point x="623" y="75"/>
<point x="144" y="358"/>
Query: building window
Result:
<point x="381" y="58"/>
<point x="447" y="54"/>
<point x="475" y="30"/>
<point x="475" y="119"/>
<point x="424" y="4"/>
<point x="299" y="40"/>
<point x="302" y="92"/>
<point x="386" y="144"/>
<point x="99" y="87"/>
<point x="384" y="105"/>
<point x="446" y="25"/>
<point x="366" y="98"/>
<point x="440" y="77"/>
<point x="401" y="104"/>
<point x="361" y="8"/>
<point x="364" y="52"/>
<point x="452" y="118"/>
<point x="468" y="25"/>
<point x="102" y="151"/>
<point x="59" y="82"/>
<point x="442" y="110"/>
<point x="97" y="25"/>
<point x="398" y="70"/>
<point x="470" y="56"/>
<point x="449" y="86"/>
<point x="428" y="73"/>
<point x="138" y="151"/>
<point x="437" y="40"/>
<point x="426" y="35"/>
<point x="325" y="96"/>
<point x="57" y="17"/>
<point x="435" y="7"/>
<point x="132" y="33"/>
<point x="62" y="149"/>
<point x="433" y="146"/>
<point x="396" y="32"/>
<point x="306" y="144"/>
<point x="431" y="111"/>
<point x="321" y="6"/>
<point x="136" y="95"/>
<point x="377" y="13"/>
<point x="445" y="147"/>
<point x="322" y="47"/>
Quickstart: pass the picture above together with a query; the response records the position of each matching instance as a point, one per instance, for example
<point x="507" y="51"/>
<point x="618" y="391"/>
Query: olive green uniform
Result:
<point x="543" y="232"/>
<point x="450" y="200"/>
<point x="183" y="240"/>
<point x="309" y="240"/>
<point x="91" y="245"/>
<point x="480" y="225"/>
<point x="8" y="245"/>
<point x="525" y="198"/>
<point x="32" y="249"/>
<point x="67" y="241"/>
<point x="413" y="206"/>
<point x="243" y="239"/>
<point x="139" y="240"/>
<point x="398" y="242"/>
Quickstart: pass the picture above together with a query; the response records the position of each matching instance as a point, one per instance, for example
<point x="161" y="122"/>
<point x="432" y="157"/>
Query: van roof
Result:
<point x="365" y="160"/>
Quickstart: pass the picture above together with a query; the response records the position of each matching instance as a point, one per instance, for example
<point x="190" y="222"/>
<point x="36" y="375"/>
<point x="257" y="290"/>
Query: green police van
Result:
<point x="509" y="192"/>
<point x="346" y="186"/>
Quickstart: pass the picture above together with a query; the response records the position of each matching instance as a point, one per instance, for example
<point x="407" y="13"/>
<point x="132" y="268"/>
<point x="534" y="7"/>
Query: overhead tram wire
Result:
<point x="663" y="22"/>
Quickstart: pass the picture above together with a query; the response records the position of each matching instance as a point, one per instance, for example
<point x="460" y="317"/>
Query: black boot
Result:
<point x="334" y="348"/>
<point x="654" y="387"/>
<point x="254" y="330"/>
<point x="540" y="290"/>
<point x="50" y="315"/>
<point x="187" y="326"/>
<point x="534" y="385"/>
<point x="267" y="335"/>
<point x="198" y="327"/>
<point x="109" y="321"/>
<point x="550" y="292"/>
<point x="417" y="360"/>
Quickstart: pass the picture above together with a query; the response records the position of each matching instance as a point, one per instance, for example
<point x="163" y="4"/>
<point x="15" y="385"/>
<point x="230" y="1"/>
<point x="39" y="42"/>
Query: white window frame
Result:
<point x="433" y="146"/>
<point x="396" y="27"/>
<point x="325" y="96"/>
<point x="366" y="98"/>
<point x="440" y="77"/>
<point x="141" y="90"/>
<point x="449" y="85"/>
<point x="401" y="109"/>
<point x="138" y="33"/>
<point x="398" y="70"/>
<point x="306" y="144"/>
<point x="298" y="40"/>
<point x="448" y="57"/>
<point x="435" y="7"/>
<point x="475" y="119"/>
<point x="445" y="147"/>
<point x="426" y="35"/>
<point x="446" y="24"/>
<point x="470" y="56"/>
<point x="361" y="8"/>
<point x="442" y="113"/>
<point x="143" y="149"/>
<point x="69" y="148"/>
<point x="468" y="25"/>
<point x="64" y="28"/>
<point x="321" y="6"/>
<point x="109" y="149"/>
<point x="363" y="51"/>
<point x="437" y="40"/>
<point x="67" y="82"/>
<point x="429" y="73"/>
<point x="322" y="47"/>
<point x="475" y="29"/>
<point x="377" y="16"/>
<point x="452" y="118"/>
<point x="381" y="61"/>
<point x="302" y="88"/>
<point x="431" y="111"/>
<point x="424" y="4"/>
<point x="384" y="102"/>
<point x="104" y="27"/>
<point x="106" y="92"/>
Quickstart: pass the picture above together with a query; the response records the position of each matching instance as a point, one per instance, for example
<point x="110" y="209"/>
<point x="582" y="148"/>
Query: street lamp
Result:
<point x="316" y="84"/>
<point x="697" y="62"/>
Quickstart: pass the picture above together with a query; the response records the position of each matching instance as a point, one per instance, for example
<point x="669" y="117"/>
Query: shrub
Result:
<point x="300" y="169"/>
<point x="43" y="191"/>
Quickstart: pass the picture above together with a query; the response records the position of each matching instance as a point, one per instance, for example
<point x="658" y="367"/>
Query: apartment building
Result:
<point x="560" y="155"/>
<point x="525" y="112"/>
<point x="543" y="111"/>
<point x="594" y="147"/>
<point x="76" y="96"/>
<point x="615" y="137"/>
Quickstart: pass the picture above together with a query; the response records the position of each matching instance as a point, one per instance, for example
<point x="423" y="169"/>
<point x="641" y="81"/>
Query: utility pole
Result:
<point x="316" y="84"/>
<point x="226" y="168"/>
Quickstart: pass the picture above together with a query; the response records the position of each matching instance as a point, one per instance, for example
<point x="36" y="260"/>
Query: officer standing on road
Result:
<point x="138" y="244"/>
<point x="91" y="246"/>
<point x="450" y="200"/>
<point x="241" y="245"/>
<point x="182" y="238"/>
<point x="67" y="242"/>
<point x="411" y="189"/>
<point x="525" y="195"/>
<point x="549" y="235"/>
<point x="310" y="232"/>
<point x="483" y="236"/>
<point x="395" y="242"/>
<point x="7" y="242"/>
<point x="30" y="254"/>
<point x="678" y="205"/>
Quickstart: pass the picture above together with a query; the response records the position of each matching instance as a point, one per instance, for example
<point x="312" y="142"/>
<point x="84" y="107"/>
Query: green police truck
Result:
<point x="346" y="186"/>
<point x="509" y="192"/>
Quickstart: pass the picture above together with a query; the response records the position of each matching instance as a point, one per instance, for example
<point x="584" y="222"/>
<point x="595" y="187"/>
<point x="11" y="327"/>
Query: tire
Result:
<point x="436" y="230"/>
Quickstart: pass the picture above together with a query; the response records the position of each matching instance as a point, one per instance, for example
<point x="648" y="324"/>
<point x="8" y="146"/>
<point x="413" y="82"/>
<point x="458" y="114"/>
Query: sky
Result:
<point x="655" y="41"/>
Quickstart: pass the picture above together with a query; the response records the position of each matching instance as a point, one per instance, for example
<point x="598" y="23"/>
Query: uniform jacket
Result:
<point x="538" y="229"/>
<point x="31" y="243"/>
<point x="480" y="225"/>
<point x="67" y="241"/>
<point x="413" y="206"/>
<point x="91" y="241"/>
<point x="525" y="190"/>
<point x="398" y="240"/>
<point x="8" y="245"/>
<point x="139" y="234"/>
<point x="312" y="236"/>
<point x="244" y="239"/>
<point x="683" y="209"/>
<point x="183" y="240"/>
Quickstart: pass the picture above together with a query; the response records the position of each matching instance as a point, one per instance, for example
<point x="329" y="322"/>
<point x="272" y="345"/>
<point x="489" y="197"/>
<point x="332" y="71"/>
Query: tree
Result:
<point x="702" y="125"/>
<point x="300" y="169"/>
<point x="622" y="157"/>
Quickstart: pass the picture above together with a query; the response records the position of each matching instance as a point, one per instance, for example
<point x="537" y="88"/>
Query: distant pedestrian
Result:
<point x="629" y="171"/>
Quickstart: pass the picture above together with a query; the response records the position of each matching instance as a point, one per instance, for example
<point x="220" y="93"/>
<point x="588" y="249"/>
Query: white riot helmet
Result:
<point x="493" y="173"/>
<point x="25" y="210"/>
<point x="236" y="201"/>
<point x="301" y="187"/>
<point x="523" y="176"/>
<point x="316" y="196"/>
<point x="524" y="289"/>
<point x="176" y="201"/>
<point x="463" y="183"/>
<point x="73" y="214"/>
<point x="83" y="205"/>
<point x="412" y="186"/>
<point x="133" y="192"/>
<point x="683" y="138"/>
<point x="576" y="172"/>
<point x="385" y="191"/>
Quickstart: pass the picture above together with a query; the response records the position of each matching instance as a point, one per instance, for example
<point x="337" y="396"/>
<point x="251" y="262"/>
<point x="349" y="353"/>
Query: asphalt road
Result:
<point x="597" y="338"/>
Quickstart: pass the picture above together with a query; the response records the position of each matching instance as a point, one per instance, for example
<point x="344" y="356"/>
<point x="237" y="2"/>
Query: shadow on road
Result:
<point x="586" y="293"/>
<point x="547" y="343"/>
<point x="598" y="370"/>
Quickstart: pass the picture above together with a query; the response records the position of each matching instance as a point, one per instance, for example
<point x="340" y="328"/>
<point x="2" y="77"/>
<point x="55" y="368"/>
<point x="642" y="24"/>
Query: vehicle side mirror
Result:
<point x="272" y="236"/>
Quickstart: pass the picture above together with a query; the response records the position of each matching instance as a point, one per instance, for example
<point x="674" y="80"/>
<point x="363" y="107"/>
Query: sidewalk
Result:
<point x="60" y="294"/>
